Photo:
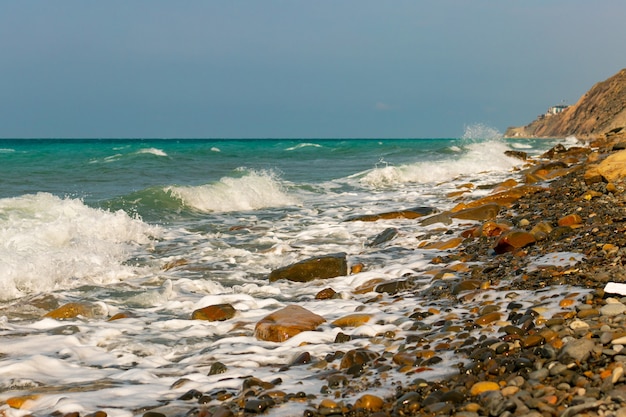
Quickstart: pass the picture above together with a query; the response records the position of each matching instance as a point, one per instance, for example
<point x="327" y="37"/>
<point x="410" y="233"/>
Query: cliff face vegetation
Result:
<point x="601" y="111"/>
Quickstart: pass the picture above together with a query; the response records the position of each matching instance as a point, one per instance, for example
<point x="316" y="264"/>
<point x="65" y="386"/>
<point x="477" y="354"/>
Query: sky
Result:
<point x="296" y="69"/>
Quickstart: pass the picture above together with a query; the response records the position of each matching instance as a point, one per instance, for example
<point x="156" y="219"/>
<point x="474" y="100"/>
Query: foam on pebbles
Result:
<point x="480" y="332"/>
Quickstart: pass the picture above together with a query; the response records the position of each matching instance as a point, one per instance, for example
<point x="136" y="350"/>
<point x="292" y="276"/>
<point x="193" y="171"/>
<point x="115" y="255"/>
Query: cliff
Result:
<point x="601" y="111"/>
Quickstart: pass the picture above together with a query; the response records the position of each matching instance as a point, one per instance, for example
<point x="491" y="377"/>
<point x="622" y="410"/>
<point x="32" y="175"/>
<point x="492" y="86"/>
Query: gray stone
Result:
<point x="612" y="309"/>
<point x="576" y="350"/>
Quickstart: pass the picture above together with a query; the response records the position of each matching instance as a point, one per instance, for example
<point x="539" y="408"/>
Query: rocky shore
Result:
<point x="526" y="346"/>
<point x="514" y="296"/>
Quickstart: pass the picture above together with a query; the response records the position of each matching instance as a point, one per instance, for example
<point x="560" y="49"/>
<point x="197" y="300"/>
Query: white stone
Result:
<point x="612" y="309"/>
<point x="615" y="288"/>
<point x="619" y="340"/>
<point x="578" y="325"/>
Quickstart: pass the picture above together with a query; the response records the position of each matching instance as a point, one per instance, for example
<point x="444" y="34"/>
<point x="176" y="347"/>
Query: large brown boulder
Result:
<point x="286" y="323"/>
<point x="611" y="169"/>
<point x="320" y="267"/>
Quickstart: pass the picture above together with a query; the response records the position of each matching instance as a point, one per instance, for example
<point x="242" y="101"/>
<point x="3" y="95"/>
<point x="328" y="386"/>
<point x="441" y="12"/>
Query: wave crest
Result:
<point x="152" y="151"/>
<point x="48" y="243"/>
<point x="474" y="158"/>
<point x="304" y="145"/>
<point x="253" y="191"/>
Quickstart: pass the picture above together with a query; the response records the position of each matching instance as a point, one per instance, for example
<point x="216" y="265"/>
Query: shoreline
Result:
<point x="517" y="360"/>
<point x="511" y="284"/>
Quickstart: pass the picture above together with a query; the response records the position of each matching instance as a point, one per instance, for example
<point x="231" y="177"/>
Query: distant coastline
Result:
<point x="599" y="113"/>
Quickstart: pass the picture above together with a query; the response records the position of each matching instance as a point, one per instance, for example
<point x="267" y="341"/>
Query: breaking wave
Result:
<point x="49" y="243"/>
<point x="255" y="190"/>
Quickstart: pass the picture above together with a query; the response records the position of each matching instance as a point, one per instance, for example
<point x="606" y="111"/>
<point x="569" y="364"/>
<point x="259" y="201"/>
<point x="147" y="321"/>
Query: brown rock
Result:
<point x="357" y="357"/>
<point x="532" y="340"/>
<point x="404" y="358"/>
<point x="487" y="211"/>
<point x="217" y="312"/>
<point x="368" y="286"/>
<point x="541" y="230"/>
<point x="513" y="240"/>
<point x="121" y="315"/>
<point x="325" y="294"/>
<point x="18" y="402"/>
<point x="412" y="213"/>
<point x="571" y="220"/>
<point x="369" y="402"/>
<point x="592" y="175"/>
<point x="72" y="310"/>
<point x="491" y="229"/>
<point x="484" y="386"/>
<point x="547" y="171"/>
<point x="356" y="268"/>
<point x="442" y="244"/>
<point x="488" y="318"/>
<point x="613" y="167"/>
<point x="352" y="320"/>
<point x="466" y="285"/>
<point x="502" y="199"/>
<point x="321" y="267"/>
<point x="517" y="154"/>
<point x="437" y="218"/>
<point x="394" y="287"/>
<point x="286" y="323"/>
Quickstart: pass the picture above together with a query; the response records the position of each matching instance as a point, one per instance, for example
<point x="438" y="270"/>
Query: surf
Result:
<point x="252" y="191"/>
<point x="51" y="243"/>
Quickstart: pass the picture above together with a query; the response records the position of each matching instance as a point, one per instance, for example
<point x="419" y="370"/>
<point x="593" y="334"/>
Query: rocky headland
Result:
<point x="601" y="111"/>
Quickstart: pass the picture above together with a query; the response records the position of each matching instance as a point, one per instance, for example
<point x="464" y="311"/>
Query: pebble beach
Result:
<point x="527" y="342"/>
<point x="516" y="311"/>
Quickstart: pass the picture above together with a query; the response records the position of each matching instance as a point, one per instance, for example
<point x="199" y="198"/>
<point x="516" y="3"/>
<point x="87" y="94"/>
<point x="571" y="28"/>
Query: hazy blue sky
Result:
<point x="318" y="68"/>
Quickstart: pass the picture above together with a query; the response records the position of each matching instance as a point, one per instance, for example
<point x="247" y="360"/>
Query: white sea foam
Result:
<point x="557" y="259"/>
<point x="518" y="145"/>
<point x="215" y="149"/>
<point x="7" y="150"/>
<point x="152" y="151"/>
<point x="48" y="243"/>
<point x="253" y="191"/>
<point x="479" y="157"/>
<point x="304" y="145"/>
<point x="160" y="354"/>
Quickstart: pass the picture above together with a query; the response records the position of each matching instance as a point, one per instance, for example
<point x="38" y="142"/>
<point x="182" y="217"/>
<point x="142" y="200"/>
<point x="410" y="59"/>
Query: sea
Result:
<point x="155" y="229"/>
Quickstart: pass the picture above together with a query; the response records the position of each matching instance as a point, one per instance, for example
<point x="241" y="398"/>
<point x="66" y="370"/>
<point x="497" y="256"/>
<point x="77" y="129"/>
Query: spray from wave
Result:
<point x="48" y="243"/>
<point x="481" y="132"/>
<point x="480" y="149"/>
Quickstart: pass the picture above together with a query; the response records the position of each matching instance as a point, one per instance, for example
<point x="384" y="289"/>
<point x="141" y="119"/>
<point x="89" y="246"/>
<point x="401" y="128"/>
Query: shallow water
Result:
<point x="160" y="228"/>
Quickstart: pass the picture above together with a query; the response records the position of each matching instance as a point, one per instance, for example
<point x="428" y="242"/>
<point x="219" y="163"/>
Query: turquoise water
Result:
<point x="97" y="170"/>
<point x="159" y="228"/>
